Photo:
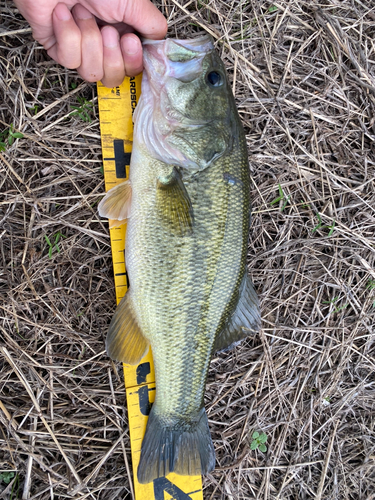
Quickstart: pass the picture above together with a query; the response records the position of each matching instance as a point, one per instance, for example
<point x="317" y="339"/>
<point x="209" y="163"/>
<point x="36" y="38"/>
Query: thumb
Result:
<point x="145" y="18"/>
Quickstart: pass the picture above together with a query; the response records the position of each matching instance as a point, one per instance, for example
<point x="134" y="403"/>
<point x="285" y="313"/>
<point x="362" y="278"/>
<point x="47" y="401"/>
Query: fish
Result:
<point x="187" y="206"/>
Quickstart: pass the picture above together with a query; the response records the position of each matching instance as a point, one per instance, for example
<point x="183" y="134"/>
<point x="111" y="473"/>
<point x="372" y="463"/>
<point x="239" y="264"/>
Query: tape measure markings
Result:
<point x="116" y="107"/>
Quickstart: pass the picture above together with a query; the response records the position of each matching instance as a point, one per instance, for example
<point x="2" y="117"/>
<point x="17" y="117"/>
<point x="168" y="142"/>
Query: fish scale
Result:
<point x="166" y="281"/>
<point x="115" y="112"/>
<point x="188" y="222"/>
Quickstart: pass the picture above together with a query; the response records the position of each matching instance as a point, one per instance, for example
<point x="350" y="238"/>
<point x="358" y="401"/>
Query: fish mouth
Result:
<point x="163" y="119"/>
<point x="177" y="59"/>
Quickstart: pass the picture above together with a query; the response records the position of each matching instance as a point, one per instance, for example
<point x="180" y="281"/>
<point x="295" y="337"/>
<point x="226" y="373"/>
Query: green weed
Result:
<point x="16" y="484"/>
<point x="258" y="441"/>
<point x="371" y="286"/>
<point x="280" y="198"/>
<point x="320" y="225"/>
<point x="254" y="22"/>
<point x="334" y="301"/>
<point x="34" y="108"/>
<point x="84" y="110"/>
<point x="6" y="476"/>
<point x="8" y="136"/>
<point x="53" y="245"/>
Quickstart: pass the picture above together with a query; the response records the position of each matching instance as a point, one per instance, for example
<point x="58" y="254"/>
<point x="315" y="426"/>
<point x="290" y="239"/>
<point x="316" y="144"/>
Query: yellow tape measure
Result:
<point x="116" y="107"/>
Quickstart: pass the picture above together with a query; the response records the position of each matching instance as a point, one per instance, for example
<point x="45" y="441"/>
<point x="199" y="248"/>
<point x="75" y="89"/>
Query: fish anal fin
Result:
<point x="125" y="341"/>
<point x="116" y="203"/>
<point x="245" y="319"/>
<point x="173" y="203"/>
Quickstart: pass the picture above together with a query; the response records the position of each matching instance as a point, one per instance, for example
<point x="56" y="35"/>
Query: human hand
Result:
<point x="93" y="36"/>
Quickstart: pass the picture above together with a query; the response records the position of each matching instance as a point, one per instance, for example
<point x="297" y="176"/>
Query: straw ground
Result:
<point x="303" y="74"/>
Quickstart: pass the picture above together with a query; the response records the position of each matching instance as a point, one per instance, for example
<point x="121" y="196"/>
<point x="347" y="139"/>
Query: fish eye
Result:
<point x="214" y="79"/>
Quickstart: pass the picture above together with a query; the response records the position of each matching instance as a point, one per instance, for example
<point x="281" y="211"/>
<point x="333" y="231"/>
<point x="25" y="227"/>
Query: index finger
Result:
<point x="146" y="19"/>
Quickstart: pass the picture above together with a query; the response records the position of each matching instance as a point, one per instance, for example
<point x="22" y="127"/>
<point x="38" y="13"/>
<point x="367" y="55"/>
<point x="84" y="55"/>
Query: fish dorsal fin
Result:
<point x="173" y="203"/>
<point x="117" y="202"/>
<point x="125" y="341"/>
<point x="244" y="321"/>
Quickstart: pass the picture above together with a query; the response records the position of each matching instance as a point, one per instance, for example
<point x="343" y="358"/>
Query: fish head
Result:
<point x="186" y="115"/>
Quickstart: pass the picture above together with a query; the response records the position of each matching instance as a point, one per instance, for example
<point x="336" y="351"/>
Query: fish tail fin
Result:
<point x="176" y="445"/>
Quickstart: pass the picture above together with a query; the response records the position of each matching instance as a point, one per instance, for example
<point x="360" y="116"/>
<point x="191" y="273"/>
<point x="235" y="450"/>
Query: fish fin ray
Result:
<point x="125" y="341"/>
<point x="173" y="202"/>
<point x="116" y="203"/>
<point x="178" y="446"/>
<point x="244" y="321"/>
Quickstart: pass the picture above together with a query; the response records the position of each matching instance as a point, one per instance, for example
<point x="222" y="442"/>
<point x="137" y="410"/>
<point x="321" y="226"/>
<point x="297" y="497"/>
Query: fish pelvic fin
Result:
<point x="116" y="203"/>
<point x="125" y="341"/>
<point x="244" y="321"/>
<point x="173" y="203"/>
<point x="180" y="446"/>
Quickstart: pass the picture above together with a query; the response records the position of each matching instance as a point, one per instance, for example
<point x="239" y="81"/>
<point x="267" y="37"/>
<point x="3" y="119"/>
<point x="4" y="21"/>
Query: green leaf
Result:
<point x="262" y="438"/>
<point x="3" y="146"/>
<point x="47" y="240"/>
<point x="332" y="228"/>
<point x="273" y="8"/>
<point x="7" y="476"/>
<point x="276" y="200"/>
<point x="286" y="202"/>
<point x="254" y="445"/>
<point x="18" y="135"/>
<point x="281" y="197"/>
<point x="255" y="435"/>
<point x="320" y="223"/>
<point x="263" y="448"/>
<point x="10" y="140"/>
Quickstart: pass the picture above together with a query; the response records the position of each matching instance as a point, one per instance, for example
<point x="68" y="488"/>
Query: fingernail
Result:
<point x="62" y="12"/>
<point x="110" y="37"/>
<point x="131" y="46"/>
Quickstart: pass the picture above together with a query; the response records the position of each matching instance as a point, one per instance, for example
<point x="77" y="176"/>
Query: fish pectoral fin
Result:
<point x="244" y="321"/>
<point x="173" y="203"/>
<point x="116" y="203"/>
<point x="125" y="341"/>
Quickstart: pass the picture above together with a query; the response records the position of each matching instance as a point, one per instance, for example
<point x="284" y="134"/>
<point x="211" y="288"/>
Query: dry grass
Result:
<point x="304" y="79"/>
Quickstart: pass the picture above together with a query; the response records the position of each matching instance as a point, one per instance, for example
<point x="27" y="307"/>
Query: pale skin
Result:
<point x="95" y="37"/>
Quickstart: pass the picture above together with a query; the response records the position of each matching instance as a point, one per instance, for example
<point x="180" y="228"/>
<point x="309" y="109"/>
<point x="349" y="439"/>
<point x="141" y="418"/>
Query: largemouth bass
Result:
<point x="188" y="210"/>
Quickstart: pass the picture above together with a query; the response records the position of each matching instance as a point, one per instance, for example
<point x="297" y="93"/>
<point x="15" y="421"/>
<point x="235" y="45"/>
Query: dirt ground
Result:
<point x="303" y="74"/>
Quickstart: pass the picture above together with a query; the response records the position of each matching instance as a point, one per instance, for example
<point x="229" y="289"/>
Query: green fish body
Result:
<point x="188" y="209"/>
